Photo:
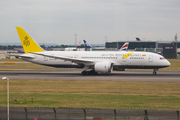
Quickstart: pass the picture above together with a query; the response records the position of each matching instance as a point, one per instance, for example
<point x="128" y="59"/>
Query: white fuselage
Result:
<point x="122" y="59"/>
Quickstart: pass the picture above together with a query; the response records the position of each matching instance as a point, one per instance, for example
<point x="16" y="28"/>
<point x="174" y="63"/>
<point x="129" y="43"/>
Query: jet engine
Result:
<point x="104" y="67"/>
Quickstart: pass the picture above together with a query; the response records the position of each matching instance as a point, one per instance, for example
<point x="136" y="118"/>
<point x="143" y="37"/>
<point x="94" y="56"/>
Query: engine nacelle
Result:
<point x="104" y="67"/>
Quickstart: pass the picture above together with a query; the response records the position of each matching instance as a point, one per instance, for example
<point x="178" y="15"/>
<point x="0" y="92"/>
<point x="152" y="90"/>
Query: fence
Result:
<point x="85" y="114"/>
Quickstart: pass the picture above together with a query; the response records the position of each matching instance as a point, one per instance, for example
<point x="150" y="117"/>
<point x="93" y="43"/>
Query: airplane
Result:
<point x="97" y="61"/>
<point x="124" y="47"/>
<point x="137" y="39"/>
<point x="87" y="44"/>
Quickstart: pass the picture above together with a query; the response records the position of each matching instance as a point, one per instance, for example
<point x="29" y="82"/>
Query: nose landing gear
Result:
<point x="154" y="72"/>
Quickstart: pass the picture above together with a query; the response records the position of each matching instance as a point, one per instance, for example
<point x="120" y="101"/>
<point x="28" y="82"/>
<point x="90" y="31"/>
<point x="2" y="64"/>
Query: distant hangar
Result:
<point x="167" y="49"/>
<point x="133" y="45"/>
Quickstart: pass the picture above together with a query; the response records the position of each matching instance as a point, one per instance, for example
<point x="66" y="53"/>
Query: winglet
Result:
<point x="29" y="45"/>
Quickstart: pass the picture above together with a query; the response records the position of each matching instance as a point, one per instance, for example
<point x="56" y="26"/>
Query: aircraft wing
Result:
<point x="21" y="55"/>
<point x="74" y="60"/>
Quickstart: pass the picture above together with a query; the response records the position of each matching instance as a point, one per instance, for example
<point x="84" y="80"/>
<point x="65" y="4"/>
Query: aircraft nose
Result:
<point x="168" y="63"/>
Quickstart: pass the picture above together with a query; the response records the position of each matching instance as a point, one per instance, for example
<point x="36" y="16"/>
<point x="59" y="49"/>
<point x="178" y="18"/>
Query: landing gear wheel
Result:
<point x="154" y="73"/>
<point x="92" y="72"/>
<point x="83" y="72"/>
<point x="87" y="72"/>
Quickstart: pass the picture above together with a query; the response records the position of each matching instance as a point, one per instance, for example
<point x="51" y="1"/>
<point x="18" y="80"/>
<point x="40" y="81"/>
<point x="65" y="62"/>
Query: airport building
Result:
<point x="167" y="49"/>
<point x="141" y="44"/>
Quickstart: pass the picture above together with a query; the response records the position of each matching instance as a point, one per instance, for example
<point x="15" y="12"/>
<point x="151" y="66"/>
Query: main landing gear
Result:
<point x="154" y="72"/>
<point x="92" y="72"/>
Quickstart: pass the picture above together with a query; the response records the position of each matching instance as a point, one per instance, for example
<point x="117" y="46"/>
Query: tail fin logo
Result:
<point x="26" y="42"/>
<point x="29" y="45"/>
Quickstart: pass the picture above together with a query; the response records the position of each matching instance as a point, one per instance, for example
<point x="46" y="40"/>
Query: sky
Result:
<point x="97" y="21"/>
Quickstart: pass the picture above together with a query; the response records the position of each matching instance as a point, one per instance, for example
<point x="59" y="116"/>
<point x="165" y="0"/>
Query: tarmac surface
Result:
<point x="75" y="74"/>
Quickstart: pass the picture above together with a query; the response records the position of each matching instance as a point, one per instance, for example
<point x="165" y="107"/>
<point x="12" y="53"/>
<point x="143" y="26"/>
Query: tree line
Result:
<point x="12" y="47"/>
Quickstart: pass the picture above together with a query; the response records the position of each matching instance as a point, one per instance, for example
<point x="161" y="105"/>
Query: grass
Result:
<point x="92" y="94"/>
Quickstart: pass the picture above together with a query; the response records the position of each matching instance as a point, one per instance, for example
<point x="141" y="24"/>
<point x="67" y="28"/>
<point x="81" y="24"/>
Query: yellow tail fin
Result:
<point x="29" y="45"/>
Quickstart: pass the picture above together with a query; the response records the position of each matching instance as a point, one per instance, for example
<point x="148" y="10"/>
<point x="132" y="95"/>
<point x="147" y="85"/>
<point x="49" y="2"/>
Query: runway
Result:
<point x="75" y="74"/>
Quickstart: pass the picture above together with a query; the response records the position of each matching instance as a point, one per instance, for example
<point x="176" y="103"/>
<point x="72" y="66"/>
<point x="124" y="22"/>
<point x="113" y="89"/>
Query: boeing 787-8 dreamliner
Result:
<point x="97" y="62"/>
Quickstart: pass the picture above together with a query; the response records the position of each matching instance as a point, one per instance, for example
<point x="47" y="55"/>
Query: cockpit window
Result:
<point x="162" y="58"/>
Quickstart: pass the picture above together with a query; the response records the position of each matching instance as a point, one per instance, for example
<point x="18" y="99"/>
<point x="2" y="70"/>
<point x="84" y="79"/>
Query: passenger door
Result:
<point x="150" y="58"/>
